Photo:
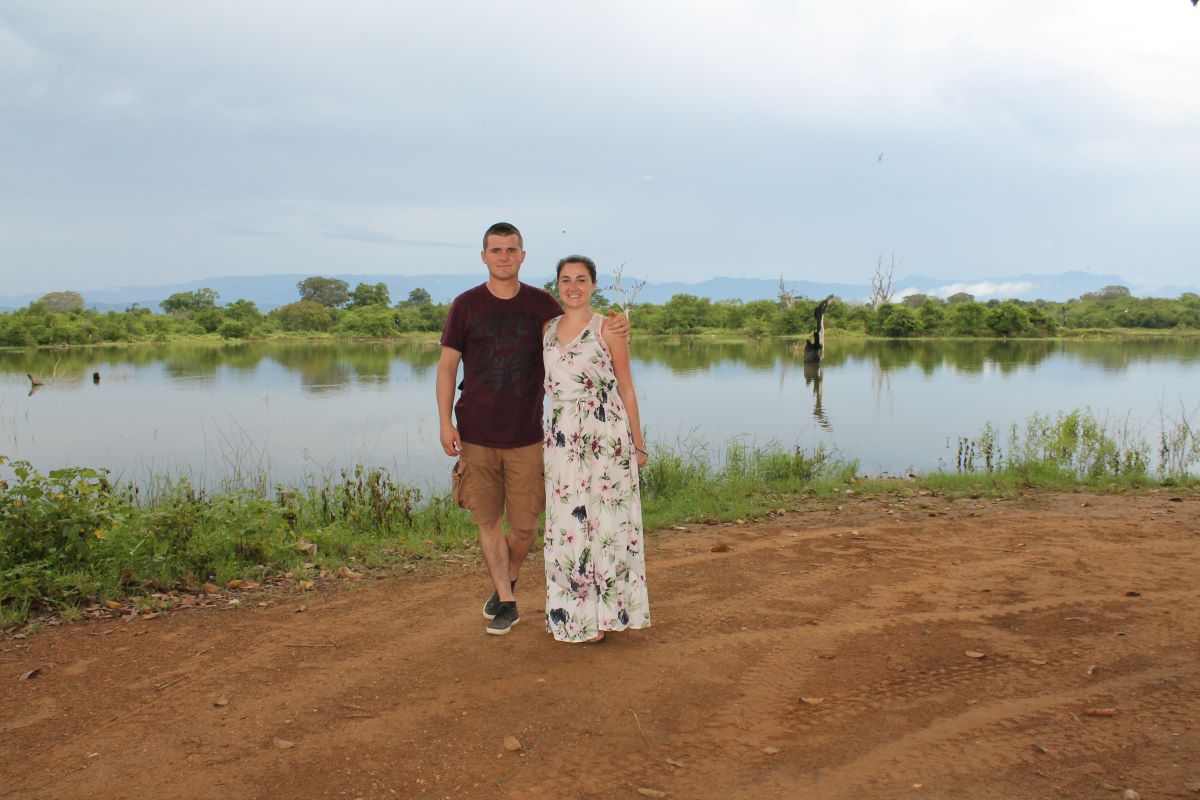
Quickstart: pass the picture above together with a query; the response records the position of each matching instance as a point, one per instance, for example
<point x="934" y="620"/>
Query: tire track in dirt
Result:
<point x="775" y="673"/>
<point x="869" y="609"/>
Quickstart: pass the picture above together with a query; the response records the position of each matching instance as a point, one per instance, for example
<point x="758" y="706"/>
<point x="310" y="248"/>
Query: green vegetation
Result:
<point x="327" y="307"/>
<point x="681" y="484"/>
<point x="71" y="537"/>
<point x="918" y="316"/>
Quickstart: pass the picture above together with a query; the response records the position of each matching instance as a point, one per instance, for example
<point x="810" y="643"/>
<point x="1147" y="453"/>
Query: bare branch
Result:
<point x="881" y="282"/>
<point x="786" y="297"/>
<point x="627" y="295"/>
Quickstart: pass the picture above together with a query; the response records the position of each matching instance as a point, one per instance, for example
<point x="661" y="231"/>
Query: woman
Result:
<point x="595" y="565"/>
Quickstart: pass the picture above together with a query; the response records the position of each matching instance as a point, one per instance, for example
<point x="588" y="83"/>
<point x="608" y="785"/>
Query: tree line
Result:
<point x="918" y="315"/>
<point x="329" y="306"/>
<point x="326" y="305"/>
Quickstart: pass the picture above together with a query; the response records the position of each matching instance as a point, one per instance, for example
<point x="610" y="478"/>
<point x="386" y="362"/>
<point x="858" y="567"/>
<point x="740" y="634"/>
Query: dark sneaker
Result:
<point x="506" y="617"/>
<point x="493" y="604"/>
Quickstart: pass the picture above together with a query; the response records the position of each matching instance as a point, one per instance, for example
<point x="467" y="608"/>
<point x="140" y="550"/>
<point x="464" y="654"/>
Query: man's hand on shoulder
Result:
<point x="618" y="323"/>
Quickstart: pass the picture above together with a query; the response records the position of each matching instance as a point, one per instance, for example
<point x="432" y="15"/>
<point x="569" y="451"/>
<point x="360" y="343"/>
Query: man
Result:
<point x="495" y="332"/>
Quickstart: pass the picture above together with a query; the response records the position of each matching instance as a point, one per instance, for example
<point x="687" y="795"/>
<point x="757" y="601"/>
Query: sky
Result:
<point x="147" y="143"/>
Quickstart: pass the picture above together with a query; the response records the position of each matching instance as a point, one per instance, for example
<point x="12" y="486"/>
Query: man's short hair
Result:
<point x="503" y="229"/>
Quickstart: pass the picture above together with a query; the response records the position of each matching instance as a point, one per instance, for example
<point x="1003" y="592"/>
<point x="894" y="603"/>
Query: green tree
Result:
<point x="62" y="302"/>
<point x="209" y="319"/>
<point x="420" y="297"/>
<point x="243" y="311"/>
<point x="370" y="295"/>
<point x="960" y="297"/>
<point x="1008" y="319"/>
<point x="190" y="302"/>
<point x="234" y="328"/>
<point x="932" y="316"/>
<point x="730" y="313"/>
<point x="794" y="320"/>
<point x="686" y="313"/>
<point x="1041" y="319"/>
<point x="967" y="318"/>
<point x="329" y="292"/>
<point x="304" y="315"/>
<point x="756" y="327"/>
<point x="377" y="322"/>
<point x="900" y="322"/>
<point x="1114" y="292"/>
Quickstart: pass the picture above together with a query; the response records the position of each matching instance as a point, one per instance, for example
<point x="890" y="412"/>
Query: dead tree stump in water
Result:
<point x="814" y="348"/>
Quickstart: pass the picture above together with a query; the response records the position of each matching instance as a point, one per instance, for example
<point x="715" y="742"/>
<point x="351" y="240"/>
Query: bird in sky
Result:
<point x="880" y="159"/>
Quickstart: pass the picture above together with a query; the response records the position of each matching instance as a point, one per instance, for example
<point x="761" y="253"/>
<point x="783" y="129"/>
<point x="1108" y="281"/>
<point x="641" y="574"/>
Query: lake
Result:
<point x="291" y="410"/>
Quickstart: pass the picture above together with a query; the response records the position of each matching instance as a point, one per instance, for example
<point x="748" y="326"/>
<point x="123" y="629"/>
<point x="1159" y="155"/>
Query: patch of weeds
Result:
<point x="1073" y="450"/>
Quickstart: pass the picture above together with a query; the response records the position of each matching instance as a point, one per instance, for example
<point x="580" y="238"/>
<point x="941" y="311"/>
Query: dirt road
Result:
<point x="895" y="647"/>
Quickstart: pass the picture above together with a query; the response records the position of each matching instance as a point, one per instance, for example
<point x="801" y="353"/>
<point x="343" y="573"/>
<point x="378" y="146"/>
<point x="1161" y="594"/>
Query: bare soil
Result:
<point x="899" y="646"/>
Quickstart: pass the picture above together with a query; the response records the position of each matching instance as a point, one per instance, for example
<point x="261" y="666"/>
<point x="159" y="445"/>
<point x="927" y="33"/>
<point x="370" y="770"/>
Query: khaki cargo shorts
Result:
<point x="487" y="481"/>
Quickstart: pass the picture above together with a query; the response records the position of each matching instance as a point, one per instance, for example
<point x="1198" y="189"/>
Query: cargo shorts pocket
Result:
<point x="458" y="483"/>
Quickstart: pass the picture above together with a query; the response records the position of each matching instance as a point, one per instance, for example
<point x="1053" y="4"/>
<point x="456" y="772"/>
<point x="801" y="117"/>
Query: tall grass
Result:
<point x="686" y="483"/>
<point x="1077" y="448"/>
<point x="73" y="536"/>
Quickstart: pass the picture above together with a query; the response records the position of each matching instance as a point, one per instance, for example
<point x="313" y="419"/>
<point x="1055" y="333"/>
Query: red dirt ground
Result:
<point x="903" y="646"/>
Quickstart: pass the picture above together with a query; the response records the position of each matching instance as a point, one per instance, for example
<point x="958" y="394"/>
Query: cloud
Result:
<point x="299" y="131"/>
<point x="378" y="237"/>
<point x="244" y="232"/>
<point x="985" y="289"/>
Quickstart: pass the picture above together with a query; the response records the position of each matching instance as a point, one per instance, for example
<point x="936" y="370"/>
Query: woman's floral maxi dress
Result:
<point x="595" y="565"/>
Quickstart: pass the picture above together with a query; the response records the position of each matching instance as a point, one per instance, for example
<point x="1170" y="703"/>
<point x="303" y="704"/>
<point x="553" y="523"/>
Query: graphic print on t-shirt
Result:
<point x="507" y="356"/>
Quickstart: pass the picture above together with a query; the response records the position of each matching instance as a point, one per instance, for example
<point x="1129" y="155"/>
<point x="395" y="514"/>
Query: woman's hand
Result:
<point x="642" y="457"/>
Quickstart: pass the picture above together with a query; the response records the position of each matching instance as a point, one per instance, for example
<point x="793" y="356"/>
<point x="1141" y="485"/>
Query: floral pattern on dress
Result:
<point x="595" y="564"/>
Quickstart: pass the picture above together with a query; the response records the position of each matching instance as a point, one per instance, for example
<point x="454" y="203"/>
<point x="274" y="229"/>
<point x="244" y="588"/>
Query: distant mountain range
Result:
<point x="272" y="291"/>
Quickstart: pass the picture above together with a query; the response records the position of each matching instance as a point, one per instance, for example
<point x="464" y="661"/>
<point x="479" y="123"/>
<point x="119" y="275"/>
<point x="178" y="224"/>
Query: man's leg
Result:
<point x="496" y="554"/>
<point x="525" y="498"/>
<point x="519" y="544"/>
<point x="483" y="488"/>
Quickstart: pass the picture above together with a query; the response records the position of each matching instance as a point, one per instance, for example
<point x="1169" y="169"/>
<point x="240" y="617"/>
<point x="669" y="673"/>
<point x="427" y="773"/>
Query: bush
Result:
<point x="902" y="322"/>
<point x="235" y="329"/>
<point x="304" y="315"/>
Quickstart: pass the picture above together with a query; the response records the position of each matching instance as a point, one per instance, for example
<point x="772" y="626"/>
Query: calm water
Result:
<point x="295" y="410"/>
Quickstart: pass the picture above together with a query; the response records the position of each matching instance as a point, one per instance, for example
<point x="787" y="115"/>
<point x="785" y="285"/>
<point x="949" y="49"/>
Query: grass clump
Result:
<point x="683" y="483"/>
<point x="70" y="537"/>
<point x="1068" y="451"/>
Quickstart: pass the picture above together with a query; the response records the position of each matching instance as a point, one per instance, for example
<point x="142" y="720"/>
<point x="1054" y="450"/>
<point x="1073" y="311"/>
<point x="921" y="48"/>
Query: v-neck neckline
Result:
<point x="564" y="345"/>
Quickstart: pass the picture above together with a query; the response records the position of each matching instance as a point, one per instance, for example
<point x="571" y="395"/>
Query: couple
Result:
<point x="581" y="467"/>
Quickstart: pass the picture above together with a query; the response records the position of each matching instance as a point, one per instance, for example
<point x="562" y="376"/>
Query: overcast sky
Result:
<point x="148" y="142"/>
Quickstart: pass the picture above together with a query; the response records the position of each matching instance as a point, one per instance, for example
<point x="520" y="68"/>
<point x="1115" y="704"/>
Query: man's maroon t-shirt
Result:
<point x="500" y="401"/>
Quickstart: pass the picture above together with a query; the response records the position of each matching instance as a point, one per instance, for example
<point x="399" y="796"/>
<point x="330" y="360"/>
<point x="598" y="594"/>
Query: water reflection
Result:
<point x="892" y="405"/>
<point x="812" y="377"/>
<point x="325" y="364"/>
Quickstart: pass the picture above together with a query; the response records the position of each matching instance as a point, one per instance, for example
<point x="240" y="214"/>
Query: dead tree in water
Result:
<point x="881" y="282"/>
<point x="814" y="348"/>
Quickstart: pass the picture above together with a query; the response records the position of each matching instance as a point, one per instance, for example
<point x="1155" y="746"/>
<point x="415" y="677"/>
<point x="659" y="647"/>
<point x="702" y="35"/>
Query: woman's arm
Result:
<point x="618" y="348"/>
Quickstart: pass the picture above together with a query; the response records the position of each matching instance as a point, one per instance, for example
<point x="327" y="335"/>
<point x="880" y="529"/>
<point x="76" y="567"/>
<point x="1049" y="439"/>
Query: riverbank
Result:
<point x="901" y="643"/>
<point x="75" y="544"/>
<point x="708" y="335"/>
